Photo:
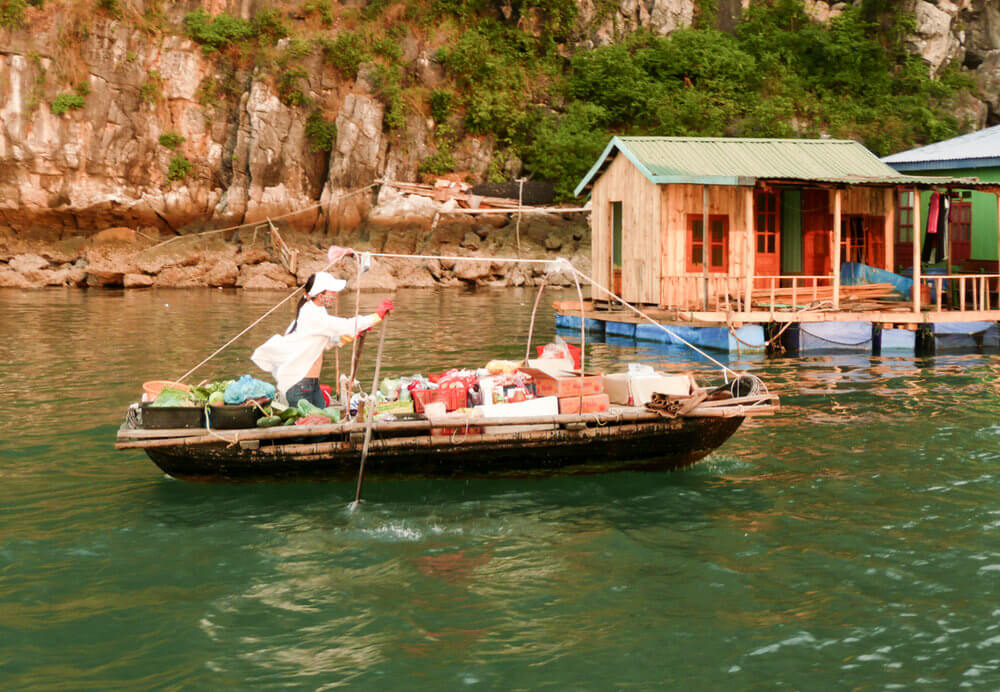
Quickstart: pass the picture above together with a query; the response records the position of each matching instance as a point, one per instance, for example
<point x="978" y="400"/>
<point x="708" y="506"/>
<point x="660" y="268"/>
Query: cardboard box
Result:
<point x="593" y="403"/>
<point x="564" y="385"/>
<point x="637" y="390"/>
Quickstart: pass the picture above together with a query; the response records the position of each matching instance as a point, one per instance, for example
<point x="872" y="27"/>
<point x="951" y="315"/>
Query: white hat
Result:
<point x="326" y="282"/>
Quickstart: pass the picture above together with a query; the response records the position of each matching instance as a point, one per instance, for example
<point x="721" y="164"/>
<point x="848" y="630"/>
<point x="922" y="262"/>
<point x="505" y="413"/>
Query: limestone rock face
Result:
<point x="12" y="279"/>
<point x="102" y="167"/>
<point x="265" y="275"/>
<point x="137" y="281"/>
<point x="223" y="273"/>
<point x="626" y="16"/>
<point x="934" y="39"/>
<point x="27" y="263"/>
<point x="988" y="79"/>
<point x="467" y="270"/>
<point x="355" y="163"/>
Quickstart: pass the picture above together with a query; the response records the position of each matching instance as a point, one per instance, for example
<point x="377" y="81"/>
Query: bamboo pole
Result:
<point x="370" y="411"/>
<point x="916" y="250"/>
<point x="531" y="325"/>
<point x="609" y="418"/>
<point x="835" y="257"/>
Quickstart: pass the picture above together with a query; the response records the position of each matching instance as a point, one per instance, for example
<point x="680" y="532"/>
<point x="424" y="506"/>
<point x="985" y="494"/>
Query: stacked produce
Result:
<point x="468" y="391"/>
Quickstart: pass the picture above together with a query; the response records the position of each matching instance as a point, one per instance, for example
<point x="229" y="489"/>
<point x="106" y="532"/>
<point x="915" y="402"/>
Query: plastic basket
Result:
<point x="153" y="388"/>
<point x="452" y="397"/>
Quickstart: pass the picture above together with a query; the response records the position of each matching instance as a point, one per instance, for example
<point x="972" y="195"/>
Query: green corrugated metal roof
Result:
<point x="721" y="161"/>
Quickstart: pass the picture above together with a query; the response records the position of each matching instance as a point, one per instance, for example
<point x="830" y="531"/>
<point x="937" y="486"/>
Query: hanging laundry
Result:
<point x="933" y="212"/>
<point x="944" y="225"/>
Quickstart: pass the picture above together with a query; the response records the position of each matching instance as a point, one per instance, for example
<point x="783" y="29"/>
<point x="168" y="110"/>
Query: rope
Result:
<point x="725" y="369"/>
<point x="815" y="306"/>
<point x="257" y="223"/>
<point x="554" y="264"/>
<point x="252" y="325"/>
<point x="460" y="258"/>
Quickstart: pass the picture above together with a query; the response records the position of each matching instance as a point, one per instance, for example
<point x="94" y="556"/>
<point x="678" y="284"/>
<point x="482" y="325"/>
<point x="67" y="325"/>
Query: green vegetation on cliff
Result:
<point x="527" y="77"/>
<point x="778" y="75"/>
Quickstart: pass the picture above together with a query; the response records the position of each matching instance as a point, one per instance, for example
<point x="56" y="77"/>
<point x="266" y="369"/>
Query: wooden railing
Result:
<point x="949" y="293"/>
<point x="728" y="293"/>
<point x="962" y="292"/>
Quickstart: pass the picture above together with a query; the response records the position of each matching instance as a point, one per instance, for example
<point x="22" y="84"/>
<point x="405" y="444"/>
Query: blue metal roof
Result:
<point x="975" y="150"/>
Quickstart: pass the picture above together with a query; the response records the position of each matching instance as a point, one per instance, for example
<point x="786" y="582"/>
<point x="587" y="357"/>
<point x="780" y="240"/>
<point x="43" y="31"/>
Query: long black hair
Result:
<point x="302" y="301"/>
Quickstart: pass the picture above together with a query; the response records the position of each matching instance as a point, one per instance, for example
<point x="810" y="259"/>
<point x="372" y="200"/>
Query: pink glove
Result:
<point x="384" y="307"/>
<point x="336" y="253"/>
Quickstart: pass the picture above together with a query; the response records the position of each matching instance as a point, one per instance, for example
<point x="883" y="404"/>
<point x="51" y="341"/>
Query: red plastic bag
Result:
<point x="327" y="394"/>
<point x="313" y="420"/>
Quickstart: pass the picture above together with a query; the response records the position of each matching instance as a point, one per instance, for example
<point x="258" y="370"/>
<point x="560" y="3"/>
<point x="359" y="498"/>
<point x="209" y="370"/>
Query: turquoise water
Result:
<point x="853" y="541"/>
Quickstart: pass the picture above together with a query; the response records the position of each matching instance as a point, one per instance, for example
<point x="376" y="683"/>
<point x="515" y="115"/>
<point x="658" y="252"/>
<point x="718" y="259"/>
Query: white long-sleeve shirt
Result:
<point x="289" y="356"/>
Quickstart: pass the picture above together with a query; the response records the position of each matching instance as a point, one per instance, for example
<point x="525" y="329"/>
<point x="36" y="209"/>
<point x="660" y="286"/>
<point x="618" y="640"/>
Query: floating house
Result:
<point x="973" y="213"/>
<point x="730" y="242"/>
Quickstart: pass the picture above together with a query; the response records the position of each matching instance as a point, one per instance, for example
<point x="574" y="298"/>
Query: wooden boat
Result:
<point x="670" y="433"/>
<point x="623" y="438"/>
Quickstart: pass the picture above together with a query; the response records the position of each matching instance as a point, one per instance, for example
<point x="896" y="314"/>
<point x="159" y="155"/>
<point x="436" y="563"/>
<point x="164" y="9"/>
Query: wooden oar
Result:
<point x="370" y="411"/>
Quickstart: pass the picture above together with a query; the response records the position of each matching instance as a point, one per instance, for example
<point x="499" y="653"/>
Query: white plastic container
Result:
<point x="636" y="390"/>
<point x="543" y="406"/>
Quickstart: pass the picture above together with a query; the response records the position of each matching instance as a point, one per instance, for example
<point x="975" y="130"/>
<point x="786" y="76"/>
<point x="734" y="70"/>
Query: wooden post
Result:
<point x="998" y="237"/>
<point x="704" y="241"/>
<point x="748" y="249"/>
<point x="916" y="250"/>
<point x="835" y="257"/>
<point x="891" y="202"/>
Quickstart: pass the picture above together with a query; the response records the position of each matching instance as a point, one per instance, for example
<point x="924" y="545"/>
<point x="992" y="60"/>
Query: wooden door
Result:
<point x="616" y="248"/>
<point x="817" y="233"/>
<point x="903" y="245"/>
<point x="767" y="260"/>
<point x="960" y="218"/>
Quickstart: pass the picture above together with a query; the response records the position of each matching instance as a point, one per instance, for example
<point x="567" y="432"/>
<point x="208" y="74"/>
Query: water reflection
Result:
<point x="841" y="537"/>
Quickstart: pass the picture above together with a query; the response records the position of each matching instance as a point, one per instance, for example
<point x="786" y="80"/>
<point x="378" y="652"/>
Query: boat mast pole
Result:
<point x="370" y="413"/>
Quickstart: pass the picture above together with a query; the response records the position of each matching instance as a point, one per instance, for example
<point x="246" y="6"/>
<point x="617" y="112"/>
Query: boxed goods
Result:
<point x="630" y="389"/>
<point x="592" y="403"/>
<point x="564" y="385"/>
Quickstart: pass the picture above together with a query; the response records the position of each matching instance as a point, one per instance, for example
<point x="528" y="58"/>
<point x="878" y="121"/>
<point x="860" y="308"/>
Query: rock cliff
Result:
<point x="112" y="116"/>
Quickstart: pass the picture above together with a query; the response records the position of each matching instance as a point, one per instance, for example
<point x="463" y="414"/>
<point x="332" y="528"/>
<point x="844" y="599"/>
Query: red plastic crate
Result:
<point x="453" y="398"/>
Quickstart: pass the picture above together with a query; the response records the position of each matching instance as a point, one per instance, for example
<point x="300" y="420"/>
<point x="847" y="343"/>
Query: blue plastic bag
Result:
<point x="248" y="387"/>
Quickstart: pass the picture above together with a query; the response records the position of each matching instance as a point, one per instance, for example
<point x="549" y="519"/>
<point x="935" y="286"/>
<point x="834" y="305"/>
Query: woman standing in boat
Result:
<point x="295" y="358"/>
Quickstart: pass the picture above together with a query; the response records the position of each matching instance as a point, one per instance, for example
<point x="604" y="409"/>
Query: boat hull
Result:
<point x="660" y="446"/>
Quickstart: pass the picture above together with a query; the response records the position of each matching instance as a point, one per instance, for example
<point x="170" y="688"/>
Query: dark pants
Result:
<point x="308" y="389"/>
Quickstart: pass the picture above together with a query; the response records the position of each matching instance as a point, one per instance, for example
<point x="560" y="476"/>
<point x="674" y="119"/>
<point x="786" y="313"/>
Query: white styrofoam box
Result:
<point x="543" y="406"/>
<point x="555" y="367"/>
<point x="637" y="390"/>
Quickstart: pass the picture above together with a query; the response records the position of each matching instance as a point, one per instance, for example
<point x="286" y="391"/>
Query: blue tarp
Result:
<point x="855" y="274"/>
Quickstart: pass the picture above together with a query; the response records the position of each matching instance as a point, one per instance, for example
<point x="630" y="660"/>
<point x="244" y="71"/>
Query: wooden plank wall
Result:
<point x="862" y="200"/>
<point x="681" y="200"/>
<point x="623" y="182"/>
